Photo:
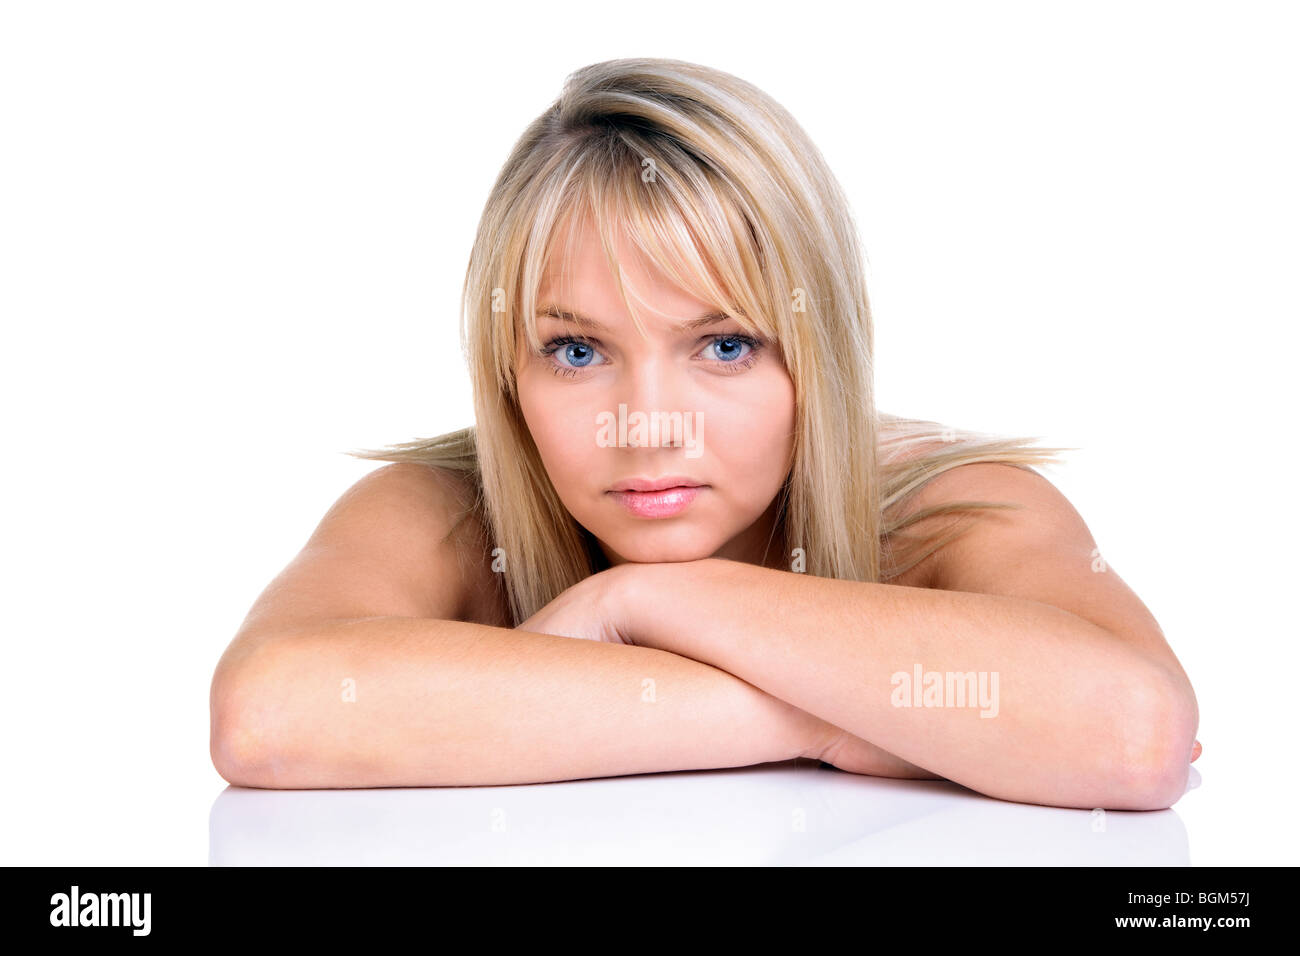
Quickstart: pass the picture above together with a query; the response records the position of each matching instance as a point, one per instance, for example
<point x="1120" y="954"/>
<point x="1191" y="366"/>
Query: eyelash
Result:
<point x="568" y="371"/>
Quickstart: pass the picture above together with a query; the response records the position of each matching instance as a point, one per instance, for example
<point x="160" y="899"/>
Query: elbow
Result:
<point x="243" y="745"/>
<point x="239" y="757"/>
<point x="1152" y="761"/>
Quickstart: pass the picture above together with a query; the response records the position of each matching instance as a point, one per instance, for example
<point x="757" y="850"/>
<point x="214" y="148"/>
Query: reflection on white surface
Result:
<point x="790" y="813"/>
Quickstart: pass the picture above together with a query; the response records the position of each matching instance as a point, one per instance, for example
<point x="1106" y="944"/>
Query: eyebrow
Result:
<point x="577" y="318"/>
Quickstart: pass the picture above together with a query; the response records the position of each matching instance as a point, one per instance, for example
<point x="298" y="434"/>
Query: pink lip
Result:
<point x="655" y="484"/>
<point x="663" y="503"/>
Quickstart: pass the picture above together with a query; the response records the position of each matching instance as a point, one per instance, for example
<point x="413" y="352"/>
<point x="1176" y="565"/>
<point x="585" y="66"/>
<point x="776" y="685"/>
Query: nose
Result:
<point x="660" y="388"/>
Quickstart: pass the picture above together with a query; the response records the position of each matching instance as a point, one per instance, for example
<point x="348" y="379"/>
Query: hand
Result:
<point x="594" y="609"/>
<point x="841" y="749"/>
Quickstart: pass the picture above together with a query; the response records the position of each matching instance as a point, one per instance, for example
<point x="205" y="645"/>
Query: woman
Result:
<point x="680" y="534"/>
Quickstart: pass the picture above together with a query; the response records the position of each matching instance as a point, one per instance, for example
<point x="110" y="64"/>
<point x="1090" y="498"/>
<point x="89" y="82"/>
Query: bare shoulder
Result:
<point x="973" y="481"/>
<point x="1042" y="516"/>
<point x="424" y="492"/>
<point x="1041" y="519"/>
<point x="398" y="542"/>
<point x="395" y="509"/>
<point x="1040" y="550"/>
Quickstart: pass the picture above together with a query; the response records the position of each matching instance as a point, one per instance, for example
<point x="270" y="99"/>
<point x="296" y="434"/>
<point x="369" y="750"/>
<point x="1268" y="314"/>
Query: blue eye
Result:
<point x="580" y="353"/>
<point x="734" y="342"/>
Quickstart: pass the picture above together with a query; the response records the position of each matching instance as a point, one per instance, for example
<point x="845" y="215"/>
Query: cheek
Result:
<point x="751" y="439"/>
<point x="562" y="429"/>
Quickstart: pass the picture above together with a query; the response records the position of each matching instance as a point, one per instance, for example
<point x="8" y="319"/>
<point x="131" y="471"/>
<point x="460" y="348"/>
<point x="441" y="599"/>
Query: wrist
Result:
<point x="627" y="592"/>
<point x="644" y="598"/>
<point x="818" y="738"/>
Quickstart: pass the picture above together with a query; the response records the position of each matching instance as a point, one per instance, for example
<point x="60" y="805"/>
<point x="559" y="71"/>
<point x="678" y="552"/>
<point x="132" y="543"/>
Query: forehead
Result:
<point x="579" y="279"/>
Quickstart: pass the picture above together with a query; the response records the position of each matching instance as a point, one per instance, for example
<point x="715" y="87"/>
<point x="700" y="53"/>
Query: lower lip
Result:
<point x="657" y="504"/>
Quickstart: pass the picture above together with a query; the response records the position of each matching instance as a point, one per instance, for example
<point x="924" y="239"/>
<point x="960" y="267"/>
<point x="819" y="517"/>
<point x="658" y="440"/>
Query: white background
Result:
<point x="232" y="240"/>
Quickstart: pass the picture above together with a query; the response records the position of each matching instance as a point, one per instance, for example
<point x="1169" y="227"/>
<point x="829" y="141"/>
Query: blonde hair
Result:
<point x="720" y="188"/>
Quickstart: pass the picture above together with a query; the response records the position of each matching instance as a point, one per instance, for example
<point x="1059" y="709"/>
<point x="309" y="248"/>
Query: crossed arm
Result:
<point x="1078" y="702"/>
<point x="1082" y="703"/>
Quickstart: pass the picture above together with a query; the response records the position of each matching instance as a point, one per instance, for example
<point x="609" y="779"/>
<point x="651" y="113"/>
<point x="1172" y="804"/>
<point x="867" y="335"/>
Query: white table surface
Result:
<point x="791" y="813"/>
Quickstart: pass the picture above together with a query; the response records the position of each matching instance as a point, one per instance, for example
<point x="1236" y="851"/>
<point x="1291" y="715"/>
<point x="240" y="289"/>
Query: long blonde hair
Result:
<point x="720" y="188"/>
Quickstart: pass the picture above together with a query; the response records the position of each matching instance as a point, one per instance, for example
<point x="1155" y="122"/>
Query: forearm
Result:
<point x="387" y="702"/>
<point x="1075" y="717"/>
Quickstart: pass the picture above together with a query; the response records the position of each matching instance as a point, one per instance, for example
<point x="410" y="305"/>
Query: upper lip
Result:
<point x="656" y="484"/>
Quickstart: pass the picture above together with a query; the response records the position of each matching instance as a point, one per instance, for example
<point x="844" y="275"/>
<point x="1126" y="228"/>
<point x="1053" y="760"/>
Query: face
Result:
<point x="707" y="409"/>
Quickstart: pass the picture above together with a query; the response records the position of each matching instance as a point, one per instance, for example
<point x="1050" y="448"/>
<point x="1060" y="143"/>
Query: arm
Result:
<point x="451" y="703"/>
<point x="1081" y="718"/>
<point x="382" y="596"/>
<point x="1093" y="707"/>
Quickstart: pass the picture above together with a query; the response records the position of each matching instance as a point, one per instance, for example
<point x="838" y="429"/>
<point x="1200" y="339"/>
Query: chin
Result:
<point x="645" y="552"/>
